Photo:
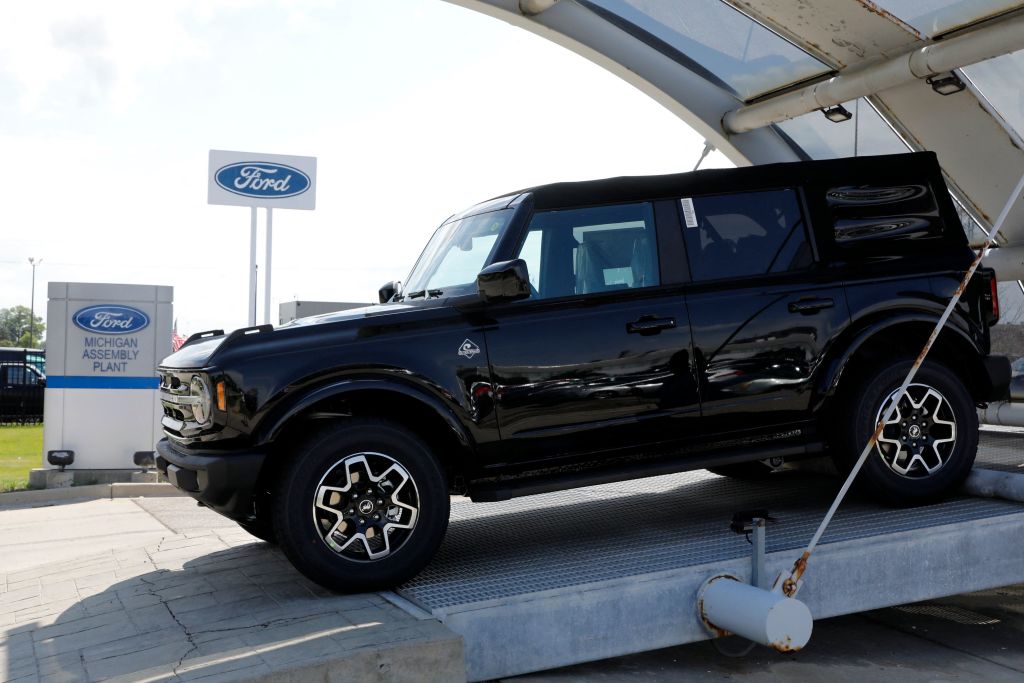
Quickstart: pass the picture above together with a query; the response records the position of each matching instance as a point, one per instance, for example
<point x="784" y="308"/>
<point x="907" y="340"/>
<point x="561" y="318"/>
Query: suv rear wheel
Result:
<point x="363" y="506"/>
<point x="927" y="447"/>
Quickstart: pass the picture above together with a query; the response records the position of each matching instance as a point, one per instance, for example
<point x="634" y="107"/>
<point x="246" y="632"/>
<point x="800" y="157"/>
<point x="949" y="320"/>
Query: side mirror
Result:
<point x="504" y="281"/>
<point x="387" y="291"/>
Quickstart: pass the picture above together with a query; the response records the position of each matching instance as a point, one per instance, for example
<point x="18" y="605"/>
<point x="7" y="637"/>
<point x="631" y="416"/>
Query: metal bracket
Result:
<point x="753" y="524"/>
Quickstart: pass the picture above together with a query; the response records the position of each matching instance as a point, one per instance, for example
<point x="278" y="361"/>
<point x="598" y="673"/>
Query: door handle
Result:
<point x="648" y="324"/>
<point x="810" y="305"/>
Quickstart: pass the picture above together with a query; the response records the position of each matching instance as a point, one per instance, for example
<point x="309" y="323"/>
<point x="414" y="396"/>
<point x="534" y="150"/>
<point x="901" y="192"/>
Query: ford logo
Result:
<point x="259" y="179"/>
<point x="111" y="319"/>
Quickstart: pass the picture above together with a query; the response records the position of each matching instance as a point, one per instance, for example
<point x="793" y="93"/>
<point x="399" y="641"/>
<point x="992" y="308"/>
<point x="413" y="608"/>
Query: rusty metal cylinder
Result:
<point x="728" y="606"/>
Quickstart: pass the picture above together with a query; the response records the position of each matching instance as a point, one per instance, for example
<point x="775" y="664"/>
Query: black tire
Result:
<point x="260" y="529"/>
<point x="950" y="462"/>
<point x="322" y="464"/>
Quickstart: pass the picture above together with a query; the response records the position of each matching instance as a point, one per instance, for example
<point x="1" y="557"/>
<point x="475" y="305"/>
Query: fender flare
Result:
<point x="827" y="382"/>
<point x="272" y="425"/>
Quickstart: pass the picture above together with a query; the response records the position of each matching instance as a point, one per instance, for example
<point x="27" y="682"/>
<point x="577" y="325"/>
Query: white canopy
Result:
<point x="753" y="77"/>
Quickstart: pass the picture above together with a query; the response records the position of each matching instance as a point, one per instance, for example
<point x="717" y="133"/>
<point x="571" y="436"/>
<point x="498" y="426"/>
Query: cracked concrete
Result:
<point x="176" y="593"/>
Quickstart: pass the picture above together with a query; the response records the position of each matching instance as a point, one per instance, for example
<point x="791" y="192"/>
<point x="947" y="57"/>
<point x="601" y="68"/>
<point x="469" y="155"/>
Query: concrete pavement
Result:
<point x="156" y="589"/>
<point x="106" y="590"/>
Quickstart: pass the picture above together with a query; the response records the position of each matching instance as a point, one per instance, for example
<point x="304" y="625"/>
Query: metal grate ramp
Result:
<point x="573" y="576"/>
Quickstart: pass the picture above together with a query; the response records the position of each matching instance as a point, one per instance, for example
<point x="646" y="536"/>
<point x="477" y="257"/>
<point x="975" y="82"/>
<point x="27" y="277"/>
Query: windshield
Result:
<point x="456" y="253"/>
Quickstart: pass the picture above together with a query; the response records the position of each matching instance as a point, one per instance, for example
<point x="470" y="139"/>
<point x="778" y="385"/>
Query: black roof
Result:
<point x="916" y="166"/>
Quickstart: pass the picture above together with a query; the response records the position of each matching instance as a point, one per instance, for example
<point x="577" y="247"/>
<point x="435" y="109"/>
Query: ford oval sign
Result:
<point x="262" y="180"/>
<point x="111" y="319"/>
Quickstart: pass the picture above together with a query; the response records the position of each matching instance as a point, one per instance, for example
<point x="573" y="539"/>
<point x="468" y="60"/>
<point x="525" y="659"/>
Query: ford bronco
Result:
<point x="581" y="333"/>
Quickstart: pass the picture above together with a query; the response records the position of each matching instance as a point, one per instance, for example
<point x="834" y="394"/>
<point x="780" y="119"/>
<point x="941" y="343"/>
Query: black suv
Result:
<point x="581" y="333"/>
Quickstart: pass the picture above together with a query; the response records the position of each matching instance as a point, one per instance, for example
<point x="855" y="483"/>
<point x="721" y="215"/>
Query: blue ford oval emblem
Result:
<point x="261" y="179"/>
<point x="111" y="319"/>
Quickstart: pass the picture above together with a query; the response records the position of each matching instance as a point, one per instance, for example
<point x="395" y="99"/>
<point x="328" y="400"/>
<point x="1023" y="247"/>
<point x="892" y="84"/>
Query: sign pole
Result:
<point x="252" y="267"/>
<point x="266" y="283"/>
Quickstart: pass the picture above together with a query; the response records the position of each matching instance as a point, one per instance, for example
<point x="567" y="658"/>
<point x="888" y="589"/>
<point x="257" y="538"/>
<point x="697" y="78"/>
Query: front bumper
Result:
<point x="223" y="481"/>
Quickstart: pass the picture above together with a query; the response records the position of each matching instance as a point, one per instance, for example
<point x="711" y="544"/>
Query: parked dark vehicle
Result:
<point x="22" y="384"/>
<point x="580" y="333"/>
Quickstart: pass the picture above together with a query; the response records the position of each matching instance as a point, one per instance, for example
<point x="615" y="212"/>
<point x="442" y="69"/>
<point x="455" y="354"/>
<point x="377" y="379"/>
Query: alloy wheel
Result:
<point x="366" y="506"/>
<point x="920" y="436"/>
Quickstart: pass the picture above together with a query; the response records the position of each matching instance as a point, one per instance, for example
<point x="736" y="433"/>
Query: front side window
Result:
<point x="744" y="234"/>
<point x="456" y="253"/>
<point x="587" y="251"/>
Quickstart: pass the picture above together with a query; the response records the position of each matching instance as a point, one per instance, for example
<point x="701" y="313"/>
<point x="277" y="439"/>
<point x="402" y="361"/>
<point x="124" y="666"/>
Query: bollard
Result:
<point x="727" y="605"/>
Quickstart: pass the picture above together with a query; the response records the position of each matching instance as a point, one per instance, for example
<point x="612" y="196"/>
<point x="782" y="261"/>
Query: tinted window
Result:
<point x="741" y="235"/>
<point x="586" y="251"/>
<point x="864" y="214"/>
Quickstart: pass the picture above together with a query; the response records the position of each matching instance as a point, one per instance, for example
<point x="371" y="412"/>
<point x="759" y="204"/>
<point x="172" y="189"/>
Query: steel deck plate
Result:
<point x="514" y="559"/>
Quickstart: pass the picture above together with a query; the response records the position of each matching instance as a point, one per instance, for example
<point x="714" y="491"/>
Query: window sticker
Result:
<point x="689" y="213"/>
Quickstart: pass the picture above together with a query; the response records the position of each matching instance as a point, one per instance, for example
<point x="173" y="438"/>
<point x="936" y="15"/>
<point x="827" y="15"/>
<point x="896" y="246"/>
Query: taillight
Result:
<point x="995" y="299"/>
<point x="990" y="298"/>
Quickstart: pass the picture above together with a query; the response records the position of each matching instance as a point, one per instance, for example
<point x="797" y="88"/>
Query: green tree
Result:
<point x="14" y="327"/>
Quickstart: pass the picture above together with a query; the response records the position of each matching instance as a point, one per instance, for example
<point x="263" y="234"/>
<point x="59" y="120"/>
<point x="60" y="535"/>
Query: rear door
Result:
<point x="762" y="311"/>
<point x="597" y="359"/>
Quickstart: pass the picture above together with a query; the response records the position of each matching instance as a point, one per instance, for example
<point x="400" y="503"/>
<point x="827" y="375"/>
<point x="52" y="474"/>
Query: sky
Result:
<point x="415" y="109"/>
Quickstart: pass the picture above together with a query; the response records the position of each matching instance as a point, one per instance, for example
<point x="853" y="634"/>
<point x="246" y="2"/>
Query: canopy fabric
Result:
<point x="704" y="59"/>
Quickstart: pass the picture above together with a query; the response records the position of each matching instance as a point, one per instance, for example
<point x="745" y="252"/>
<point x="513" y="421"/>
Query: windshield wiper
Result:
<point x="434" y="292"/>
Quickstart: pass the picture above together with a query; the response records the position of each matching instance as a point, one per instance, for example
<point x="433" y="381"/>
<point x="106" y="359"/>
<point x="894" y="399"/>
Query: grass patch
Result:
<point x="21" y="449"/>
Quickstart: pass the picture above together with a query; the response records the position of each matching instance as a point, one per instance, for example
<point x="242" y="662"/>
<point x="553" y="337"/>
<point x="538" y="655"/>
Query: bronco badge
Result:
<point x="468" y="349"/>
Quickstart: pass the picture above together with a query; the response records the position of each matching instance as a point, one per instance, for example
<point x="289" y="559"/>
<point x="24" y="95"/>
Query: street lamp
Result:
<point x="32" y="310"/>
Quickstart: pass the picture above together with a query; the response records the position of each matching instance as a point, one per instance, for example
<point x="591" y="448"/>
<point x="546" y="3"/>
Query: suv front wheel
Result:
<point x="363" y="506"/>
<point x="928" y="445"/>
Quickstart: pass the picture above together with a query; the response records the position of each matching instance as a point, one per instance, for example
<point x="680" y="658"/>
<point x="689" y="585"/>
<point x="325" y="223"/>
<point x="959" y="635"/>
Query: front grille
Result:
<point x="177" y="401"/>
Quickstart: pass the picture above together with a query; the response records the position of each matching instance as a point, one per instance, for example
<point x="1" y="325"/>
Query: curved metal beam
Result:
<point x="699" y="103"/>
<point x="965" y="49"/>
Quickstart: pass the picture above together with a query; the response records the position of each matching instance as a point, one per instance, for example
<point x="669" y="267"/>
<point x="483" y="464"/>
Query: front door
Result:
<point x="597" y="360"/>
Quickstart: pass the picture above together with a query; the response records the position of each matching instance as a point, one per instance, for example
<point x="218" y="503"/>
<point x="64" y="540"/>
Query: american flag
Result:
<point x="176" y="339"/>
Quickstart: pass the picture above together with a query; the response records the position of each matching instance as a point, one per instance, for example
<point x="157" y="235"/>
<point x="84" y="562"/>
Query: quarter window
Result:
<point x="743" y="235"/>
<point x="586" y="251"/>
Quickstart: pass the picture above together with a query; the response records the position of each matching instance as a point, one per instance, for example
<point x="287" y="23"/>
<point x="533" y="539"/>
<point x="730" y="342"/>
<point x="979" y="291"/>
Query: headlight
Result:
<point x="202" y="409"/>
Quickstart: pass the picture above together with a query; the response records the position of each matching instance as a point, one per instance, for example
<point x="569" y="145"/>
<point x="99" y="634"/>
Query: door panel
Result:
<point x="571" y="378"/>
<point x="757" y="349"/>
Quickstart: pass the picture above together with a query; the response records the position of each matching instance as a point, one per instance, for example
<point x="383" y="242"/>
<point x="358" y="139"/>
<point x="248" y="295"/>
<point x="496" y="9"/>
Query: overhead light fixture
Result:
<point x="946" y="84"/>
<point x="837" y="114"/>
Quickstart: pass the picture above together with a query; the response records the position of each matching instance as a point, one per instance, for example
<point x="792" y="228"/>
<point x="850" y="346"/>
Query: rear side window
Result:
<point x="863" y="215"/>
<point x="587" y="251"/>
<point x="744" y="234"/>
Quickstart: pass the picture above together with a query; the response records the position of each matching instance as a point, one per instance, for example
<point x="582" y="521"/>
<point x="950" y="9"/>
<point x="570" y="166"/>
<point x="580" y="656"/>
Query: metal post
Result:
<point x="252" y="267"/>
<point x="758" y="577"/>
<point x="32" y="303"/>
<point x="266" y="282"/>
